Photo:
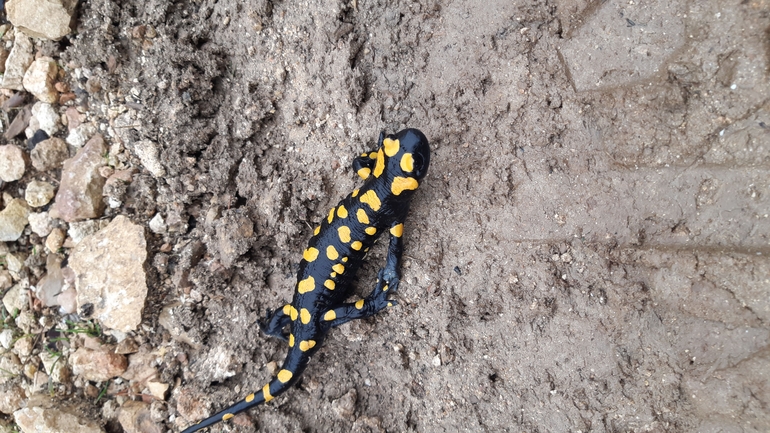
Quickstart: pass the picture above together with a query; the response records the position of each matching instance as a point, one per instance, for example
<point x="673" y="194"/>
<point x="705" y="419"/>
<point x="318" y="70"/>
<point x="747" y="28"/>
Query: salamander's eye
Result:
<point x="419" y="165"/>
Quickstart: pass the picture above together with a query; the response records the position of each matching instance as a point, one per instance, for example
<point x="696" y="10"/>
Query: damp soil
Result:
<point x="589" y="252"/>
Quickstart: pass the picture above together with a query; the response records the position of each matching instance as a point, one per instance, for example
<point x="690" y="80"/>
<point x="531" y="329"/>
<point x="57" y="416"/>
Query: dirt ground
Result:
<point x="589" y="252"/>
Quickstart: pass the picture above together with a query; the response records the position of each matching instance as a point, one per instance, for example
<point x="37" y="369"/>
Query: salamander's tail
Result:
<point x="283" y="381"/>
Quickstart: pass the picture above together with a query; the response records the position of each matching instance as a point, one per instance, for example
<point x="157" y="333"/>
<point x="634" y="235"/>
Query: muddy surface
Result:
<point x="588" y="253"/>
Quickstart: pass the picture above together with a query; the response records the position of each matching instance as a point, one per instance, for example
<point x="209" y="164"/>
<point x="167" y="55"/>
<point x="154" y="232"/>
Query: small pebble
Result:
<point x="39" y="193"/>
<point x="11" y="163"/>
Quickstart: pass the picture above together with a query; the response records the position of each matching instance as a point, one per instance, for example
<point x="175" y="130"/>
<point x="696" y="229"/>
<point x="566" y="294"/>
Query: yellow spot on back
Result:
<point x="342" y="212"/>
<point x="331" y="215"/>
<point x="306" y="345"/>
<point x="332" y="253"/>
<point x="401" y="184"/>
<point x="364" y="172"/>
<point x="287" y="309"/>
<point x="354" y="193"/>
<point x="249" y="398"/>
<point x="356" y="245"/>
<point x="371" y="231"/>
<point x="316" y="231"/>
<point x="227" y="416"/>
<point x="370" y="198"/>
<point x="292" y="312"/>
<point x="304" y="316"/>
<point x="306" y="285"/>
<point x="397" y="230"/>
<point x="391" y="146"/>
<point x="362" y="217"/>
<point x="379" y="165"/>
<point x="344" y="233"/>
<point x="372" y="155"/>
<point x="339" y="268"/>
<point x="407" y="162"/>
<point x="330" y="315"/>
<point x="310" y="254"/>
<point x="329" y="284"/>
<point x="284" y="376"/>
<point x="344" y="260"/>
<point x="266" y="393"/>
<point x="360" y="304"/>
<point x="291" y="340"/>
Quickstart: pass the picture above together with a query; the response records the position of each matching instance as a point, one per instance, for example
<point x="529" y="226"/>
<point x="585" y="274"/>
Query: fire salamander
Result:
<point x="334" y="254"/>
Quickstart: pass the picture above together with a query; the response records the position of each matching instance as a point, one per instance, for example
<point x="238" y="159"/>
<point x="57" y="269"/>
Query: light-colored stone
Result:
<point x="14" y="263"/>
<point x="135" y="417"/>
<point x="39" y="193"/>
<point x="158" y="389"/>
<point x="148" y="153"/>
<point x="6" y="338"/>
<point x="110" y="275"/>
<point x="41" y="223"/>
<point x="18" y="61"/>
<point x="80" y="191"/>
<point x="40" y="420"/>
<point x="56" y="367"/>
<point x="45" y="19"/>
<point x="79" y="230"/>
<point x="13" y="219"/>
<point x="40" y="78"/>
<point x="11" y="163"/>
<point x="5" y="279"/>
<point x="12" y="399"/>
<point x="55" y="240"/>
<point x="44" y="117"/>
<point x="49" y="154"/>
<point x="10" y="367"/>
<point x="15" y="299"/>
<point x="80" y="135"/>
<point x="157" y="224"/>
<point x="97" y="365"/>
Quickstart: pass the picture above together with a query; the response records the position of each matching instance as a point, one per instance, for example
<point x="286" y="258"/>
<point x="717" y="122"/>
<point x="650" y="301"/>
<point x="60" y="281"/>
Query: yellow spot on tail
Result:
<point x="227" y="416"/>
<point x="333" y="274"/>
<point x="310" y="254"/>
<point x="292" y="312"/>
<point x="291" y="340"/>
<point x="364" y="172"/>
<point x="362" y="217"/>
<point x="344" y="260"/>
<point x="306" y="345"/>
<point x="397" y="230"/>
<point x="342" y="212"/>
<point x="316" y="231"/>
<point x="344" y="232"/>
<point x="391" y="146"/>
<point x="385" y="289"/>
<point x="284" y="376"/>
<point x="401" y="184"/>
<point x="330" y="315"/>
<point x="407" y="162"/>
<point x="332" y="253"/>
<point x="356" y="245"/>
<point x="306" y="285"/>
<point x="304" y="316"/>
<point x="371" y="231"/>
<point x="355" y="193"/>
<point x="360" y="304"/>
<point x="370" y="198"/>
<point x="379" y="165"/>
<point x="331" y="215"/>
<point x="339" y="268"/>
<point x="266" y="393"/>
<point x="329" y="284"/>
<point x="249" y="398"/>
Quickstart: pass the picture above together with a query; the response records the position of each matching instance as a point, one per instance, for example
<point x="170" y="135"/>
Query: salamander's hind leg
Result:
<point x="363" y="308"/>
<point x="276" y="321"/>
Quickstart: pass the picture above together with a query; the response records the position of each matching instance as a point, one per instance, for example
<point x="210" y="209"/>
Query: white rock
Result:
<point x="11" y="163"/>
<point x="40" y="78"/>
<point x="157" y="224"/>
<point x="6" y="338"/>
<point x="13" y="219"/>
<point x="41" y="223"/>
<point x="80" y="229"/>
<point x="18" y="61"/>
<point x="39" y="193"/>
<point x="80" y="135"/>
<point x="38" y="420"/>
<point x="46" y="19"/>
<point x="44" y="117"/>
<point x="147" y="151"/>
<point x="15" y="299"/>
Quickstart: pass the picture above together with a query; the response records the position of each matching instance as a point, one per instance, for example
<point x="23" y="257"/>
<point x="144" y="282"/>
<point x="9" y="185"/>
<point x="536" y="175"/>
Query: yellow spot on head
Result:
<point x="342" y="212"/>
<point x="306" y="285"/>
<point x="284" y="376"/>
<point x="310" y="254"/>
<point x="291" y="340"/>
<point x="379" y="165"/>
<point x="266" y="393"/>
<point x="306" y="345"/>
<point x="304" y="316"/>
<point x="330" y="315"/>
<point x="364" y="154"/>
<point x="370" y="198"/>
<point x="407" y="162"/>
<point x="390" y="146"/>
<point x="397" y="230"/>
<point x="329" y="284"/>
<point x="364" y="172"/>
<point x="360" y="304"/>
<point x="227" y="416"/>
<point x="401" y="184"/>
<point x="331" y="215"/>
<point x="316" y="231"/>
<point x="332" y="253"/>
<point x="339" y="268"/>
<point x="249" y="398"/>
<point x="344" y="232"/>
<point x="362" y="217"/>
<point x="371" y="231"/>
<point x="355" y="193"/>
<point x="356" y="245"/>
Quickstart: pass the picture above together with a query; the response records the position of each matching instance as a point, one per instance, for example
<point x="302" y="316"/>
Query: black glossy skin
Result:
<point x="390" y="180"/>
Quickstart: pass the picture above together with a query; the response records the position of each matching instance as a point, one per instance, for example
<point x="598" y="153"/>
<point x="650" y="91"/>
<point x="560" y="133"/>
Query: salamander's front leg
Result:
<point x="276" y="321"/>
<point x="391" y="273"/>
<point x="364" y="164"/>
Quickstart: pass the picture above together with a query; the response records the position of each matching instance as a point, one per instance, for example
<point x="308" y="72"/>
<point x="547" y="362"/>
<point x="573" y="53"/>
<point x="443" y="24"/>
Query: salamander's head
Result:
<point x="414" y="153"/>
